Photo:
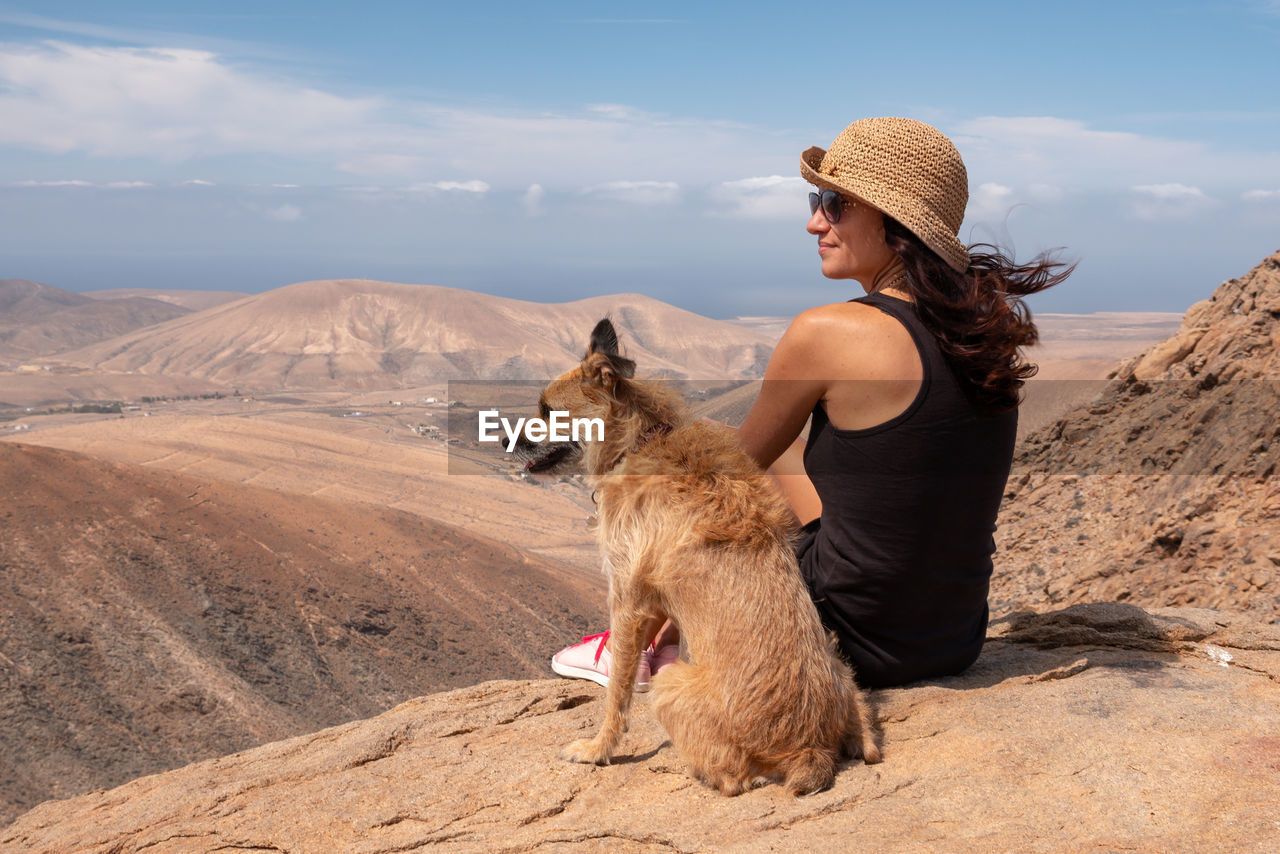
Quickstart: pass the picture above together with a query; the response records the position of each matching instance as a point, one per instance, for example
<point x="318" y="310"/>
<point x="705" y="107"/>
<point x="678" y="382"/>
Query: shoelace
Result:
<point x="603" y="637"/>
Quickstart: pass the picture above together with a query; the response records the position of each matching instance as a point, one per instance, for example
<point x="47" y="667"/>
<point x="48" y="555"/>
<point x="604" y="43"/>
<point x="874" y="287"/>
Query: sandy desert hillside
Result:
<point x="149" y="619"/>
<point x="352" y="334"/>
<point x="191" y="300"/>
<point x="1088" y="346"/>
<point x="37" y="320"/>
<point x="1163" y="490"/>
<point x="307" y="447"/>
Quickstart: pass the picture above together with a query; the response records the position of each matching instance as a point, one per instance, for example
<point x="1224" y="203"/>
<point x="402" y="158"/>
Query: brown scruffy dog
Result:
<point x="689" y="527"/>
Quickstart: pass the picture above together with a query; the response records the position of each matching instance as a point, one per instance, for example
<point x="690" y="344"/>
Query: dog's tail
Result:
<point x="860" y="738"/>
<point x="810" y="770"/>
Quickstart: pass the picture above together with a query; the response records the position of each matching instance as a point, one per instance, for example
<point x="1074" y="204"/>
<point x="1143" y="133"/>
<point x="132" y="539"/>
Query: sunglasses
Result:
<point x="832" y="204"/>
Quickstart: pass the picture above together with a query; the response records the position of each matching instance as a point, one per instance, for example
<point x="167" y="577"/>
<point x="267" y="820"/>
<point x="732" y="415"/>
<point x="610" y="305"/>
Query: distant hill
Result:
<point x="38" y="320"/>
<point x="1161" y="490"/>
<point x="150" y="619"/>
<point x="729" y="406"/>
<point x="22" y="300"/>
<point x="353" y="334"/>
<point x="192" y="300"/>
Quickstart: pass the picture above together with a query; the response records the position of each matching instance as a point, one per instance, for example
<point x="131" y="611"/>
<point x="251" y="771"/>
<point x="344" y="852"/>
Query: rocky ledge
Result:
<point x="1098" y="727"/>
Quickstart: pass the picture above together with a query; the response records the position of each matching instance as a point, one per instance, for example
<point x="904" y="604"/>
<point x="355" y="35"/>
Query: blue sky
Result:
<point x="552" y="151"/>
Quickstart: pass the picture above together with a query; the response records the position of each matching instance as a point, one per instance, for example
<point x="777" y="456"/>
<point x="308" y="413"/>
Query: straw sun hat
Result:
<point x="904" y="168"/>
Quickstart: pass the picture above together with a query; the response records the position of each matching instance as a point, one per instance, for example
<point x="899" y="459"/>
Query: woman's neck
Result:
<point x="891" y="280"/>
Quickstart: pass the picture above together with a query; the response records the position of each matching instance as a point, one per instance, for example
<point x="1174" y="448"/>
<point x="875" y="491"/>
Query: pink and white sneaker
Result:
<point x="590" y="659"/>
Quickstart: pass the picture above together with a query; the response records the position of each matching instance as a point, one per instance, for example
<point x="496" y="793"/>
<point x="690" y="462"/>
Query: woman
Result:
<point x="913" y="390"/>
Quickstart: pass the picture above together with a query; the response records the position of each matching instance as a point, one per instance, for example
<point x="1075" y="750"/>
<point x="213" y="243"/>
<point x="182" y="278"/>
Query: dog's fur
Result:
<point x="691" y="528"/>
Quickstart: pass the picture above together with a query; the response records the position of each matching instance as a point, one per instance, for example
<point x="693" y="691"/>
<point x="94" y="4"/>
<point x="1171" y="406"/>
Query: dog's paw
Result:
<point x="586" y="751"/>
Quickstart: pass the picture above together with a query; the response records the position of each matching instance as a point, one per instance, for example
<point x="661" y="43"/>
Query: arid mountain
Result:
<point x="1096" y="728"/>
<point x="354" y="334"/>
<point x="22" y="300"/>
<point x="150" y="619"/>
<point x="192" y="300"/>
<point x="37" y="320"/>
<point x="1165" y="488"/>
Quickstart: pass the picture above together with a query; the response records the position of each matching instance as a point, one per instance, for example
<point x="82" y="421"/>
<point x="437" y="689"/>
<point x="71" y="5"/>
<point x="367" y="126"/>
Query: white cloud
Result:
<point x="532" y="200"/>
<point x="198" y="182"/>
<point x="1075" y="157"/>
<point x="767" y="197"/>
<point x="990" y="201"/>
<point x="463" y="186"/>
<point x="141" y="36"/>
<point x="110" y="185"/>
<point x="434" y="187"/>
<point x="172" y="104"/>
<point x="68" y="183"/>
<point x="284" y="213"/>
<point x="618" y="112"/>
<point x="636" y="192"/>
<point x="1171" y="191"/>
<point x="163" y="102"/>
<point x="1168" y="201"/>
<point x="1260" y="195"/>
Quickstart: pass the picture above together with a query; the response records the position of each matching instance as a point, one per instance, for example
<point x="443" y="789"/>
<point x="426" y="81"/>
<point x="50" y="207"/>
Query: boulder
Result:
<point x="1099" y="727"/>
<point x="1162" y="490"/>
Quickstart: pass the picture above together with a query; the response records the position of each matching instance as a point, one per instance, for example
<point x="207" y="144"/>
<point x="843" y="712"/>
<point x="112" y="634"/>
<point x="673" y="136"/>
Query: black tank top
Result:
<point x="900" y="561"/>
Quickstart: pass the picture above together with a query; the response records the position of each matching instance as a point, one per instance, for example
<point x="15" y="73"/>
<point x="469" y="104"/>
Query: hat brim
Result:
<point x="811" y="162"/>
<point x="947" y="246"/>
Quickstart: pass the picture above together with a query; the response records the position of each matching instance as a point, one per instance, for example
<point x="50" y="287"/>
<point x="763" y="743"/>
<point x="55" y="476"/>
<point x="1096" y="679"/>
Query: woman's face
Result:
<point x="854" y="247"/>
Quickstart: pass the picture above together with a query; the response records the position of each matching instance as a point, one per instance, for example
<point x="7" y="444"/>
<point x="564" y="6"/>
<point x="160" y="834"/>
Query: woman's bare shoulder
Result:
<point x="840" y="318"/>
<point x="853" y="338"/>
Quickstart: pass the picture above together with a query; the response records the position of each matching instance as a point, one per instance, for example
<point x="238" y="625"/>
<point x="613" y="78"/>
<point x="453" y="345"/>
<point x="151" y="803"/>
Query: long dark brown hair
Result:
<point x="978" y="316"/>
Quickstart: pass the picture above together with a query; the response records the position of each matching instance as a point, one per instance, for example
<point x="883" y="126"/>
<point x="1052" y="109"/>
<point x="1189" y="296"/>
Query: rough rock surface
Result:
<point x="1099" y="727"/>
<point x="1162" y="490"/>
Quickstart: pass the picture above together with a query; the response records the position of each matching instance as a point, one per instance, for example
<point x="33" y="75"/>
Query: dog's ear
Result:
<point x="604" y="342"/>
<point x="604" y="371"/>
<point x="604" y="339"/>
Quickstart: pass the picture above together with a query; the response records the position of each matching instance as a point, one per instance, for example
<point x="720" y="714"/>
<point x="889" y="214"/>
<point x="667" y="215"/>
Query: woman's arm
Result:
<point x="792" y="386"/>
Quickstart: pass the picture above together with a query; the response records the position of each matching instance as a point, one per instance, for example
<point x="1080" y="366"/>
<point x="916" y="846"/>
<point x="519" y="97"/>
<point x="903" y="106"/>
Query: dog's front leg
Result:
<point x="626" y="642"/>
